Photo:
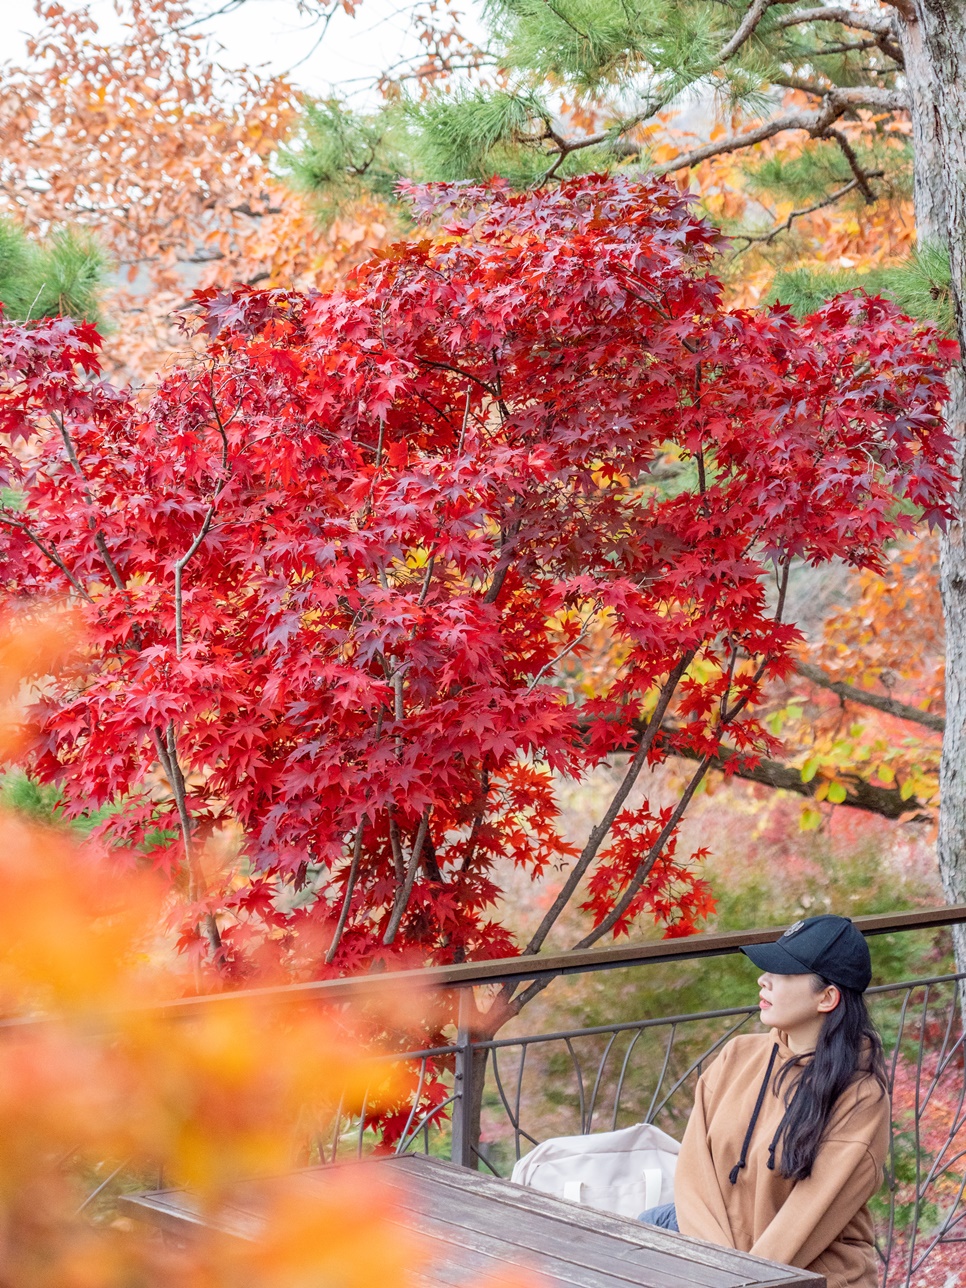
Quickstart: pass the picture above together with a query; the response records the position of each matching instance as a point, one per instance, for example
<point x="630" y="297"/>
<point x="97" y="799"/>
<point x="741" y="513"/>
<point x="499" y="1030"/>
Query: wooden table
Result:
<point x="481" y="1225"/>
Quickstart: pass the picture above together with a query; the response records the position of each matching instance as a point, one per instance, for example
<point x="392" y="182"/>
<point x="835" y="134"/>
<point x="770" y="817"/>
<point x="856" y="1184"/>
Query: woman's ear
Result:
<point x="829" y="999"/>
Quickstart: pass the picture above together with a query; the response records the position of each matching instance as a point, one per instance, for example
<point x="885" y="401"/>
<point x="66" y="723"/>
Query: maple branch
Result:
<point x="727" y="715"/>
<point x="653" y="854"/>
<point x="398" y="862"/>
<point x="643" y="871"/>
<point x="51" y="552"/>
<point x="569" y="648"/>
<point x="349" y="890"/>
<point x="884" y="801"/>
<point x="179" y="568"/>
<point x="474" y="836"/>
<point x="458" y="371"/>
<point x="168" y="756"/>
<point x="600" y="831"/>
<point x="507" y="538"/>
<point x="192" y="550"/>
<point x="403" y="894"/>
<point x="98" y="535"/>
<point x="890" y="706"/>
<point x="463" y="427"/>
<point x="887" y="802"/>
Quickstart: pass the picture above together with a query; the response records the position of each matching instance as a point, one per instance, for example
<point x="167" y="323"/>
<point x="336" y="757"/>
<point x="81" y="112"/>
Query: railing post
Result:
<point x="466" y="1128"/>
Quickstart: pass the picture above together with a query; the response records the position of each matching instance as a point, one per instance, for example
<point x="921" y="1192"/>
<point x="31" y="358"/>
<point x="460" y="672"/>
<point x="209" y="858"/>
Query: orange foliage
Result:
<point x="887" y="638"/>
<point x="165" y="155"/>
<point x="845" y="235"/>
<point x="91" y="1071"/>
<point x="890" y="633"/>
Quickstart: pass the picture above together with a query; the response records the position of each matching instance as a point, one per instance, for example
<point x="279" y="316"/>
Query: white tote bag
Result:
<point x="625" y="1172"/>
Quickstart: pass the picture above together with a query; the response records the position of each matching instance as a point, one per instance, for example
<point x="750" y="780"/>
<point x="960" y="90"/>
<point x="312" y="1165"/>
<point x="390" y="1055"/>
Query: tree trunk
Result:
<point x="933" y="36"/>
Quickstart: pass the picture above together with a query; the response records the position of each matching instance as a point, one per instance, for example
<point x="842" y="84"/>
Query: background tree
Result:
<point x="162" y="154"/>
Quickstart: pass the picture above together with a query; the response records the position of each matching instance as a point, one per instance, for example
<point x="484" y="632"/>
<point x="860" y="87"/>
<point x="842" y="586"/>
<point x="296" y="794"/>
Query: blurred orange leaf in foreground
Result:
<point x="95" y="1074"/>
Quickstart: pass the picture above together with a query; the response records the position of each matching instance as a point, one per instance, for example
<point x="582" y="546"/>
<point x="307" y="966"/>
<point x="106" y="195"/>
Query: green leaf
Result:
<point x="836" y="792"/>
<point x="810" y="819"/>
<point x="809" y="770"/>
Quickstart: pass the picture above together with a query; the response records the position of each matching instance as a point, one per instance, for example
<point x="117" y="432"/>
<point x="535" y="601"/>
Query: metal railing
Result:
<point x="536" y="1084"/>
<point x="484" y="1099"/>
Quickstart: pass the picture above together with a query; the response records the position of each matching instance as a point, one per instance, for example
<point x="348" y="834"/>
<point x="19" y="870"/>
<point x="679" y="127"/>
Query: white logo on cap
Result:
<point x="793" y="930"/>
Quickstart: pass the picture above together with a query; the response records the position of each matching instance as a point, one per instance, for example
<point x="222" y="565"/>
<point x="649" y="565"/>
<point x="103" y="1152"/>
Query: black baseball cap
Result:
<point x="827" y="946"/>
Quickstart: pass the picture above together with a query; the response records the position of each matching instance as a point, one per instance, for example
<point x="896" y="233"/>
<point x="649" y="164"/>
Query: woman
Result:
<point x="790" y="1129"/>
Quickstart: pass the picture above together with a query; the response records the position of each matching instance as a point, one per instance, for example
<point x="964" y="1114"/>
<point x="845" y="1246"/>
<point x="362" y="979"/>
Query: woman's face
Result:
<point x="793" y="1004"/>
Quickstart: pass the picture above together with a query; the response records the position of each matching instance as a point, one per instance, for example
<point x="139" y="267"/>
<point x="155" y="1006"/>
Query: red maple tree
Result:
<point x="329" y="572"/>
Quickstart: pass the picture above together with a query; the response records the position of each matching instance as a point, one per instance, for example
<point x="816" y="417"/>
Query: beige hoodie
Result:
<point x="822" y="1224"/>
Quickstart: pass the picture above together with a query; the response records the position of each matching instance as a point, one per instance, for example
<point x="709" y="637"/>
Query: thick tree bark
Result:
<point x="933" y="35"/>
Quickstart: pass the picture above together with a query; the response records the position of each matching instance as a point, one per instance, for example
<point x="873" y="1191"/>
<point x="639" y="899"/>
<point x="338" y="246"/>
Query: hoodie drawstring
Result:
<point x="733" y="1175"/>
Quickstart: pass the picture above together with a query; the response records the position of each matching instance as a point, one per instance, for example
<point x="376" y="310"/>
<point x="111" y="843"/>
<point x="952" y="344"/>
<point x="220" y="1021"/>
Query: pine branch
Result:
<point x="880" y="24"/>
<point x="835" y="104"/>
<point x="751" y="238"/>
<point x="747" y="27"/>
<point x="861" y="176"/>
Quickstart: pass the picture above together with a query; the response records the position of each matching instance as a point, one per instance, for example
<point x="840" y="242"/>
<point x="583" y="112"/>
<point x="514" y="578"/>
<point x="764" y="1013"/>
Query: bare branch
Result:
<point x="861" y="178"/>
<point x="890" y="706"/>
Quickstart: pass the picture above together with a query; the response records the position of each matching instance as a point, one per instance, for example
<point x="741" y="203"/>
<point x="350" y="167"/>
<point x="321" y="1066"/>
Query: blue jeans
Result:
<point x="663" y="1216"/>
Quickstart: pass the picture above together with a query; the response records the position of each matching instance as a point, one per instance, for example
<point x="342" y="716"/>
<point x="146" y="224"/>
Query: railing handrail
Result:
<point x="501" y="969"/>
<point x="498" y="970"/>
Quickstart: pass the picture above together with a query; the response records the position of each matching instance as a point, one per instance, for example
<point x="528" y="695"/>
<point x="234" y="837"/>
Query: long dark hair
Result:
<point x="848" y="1046"/>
